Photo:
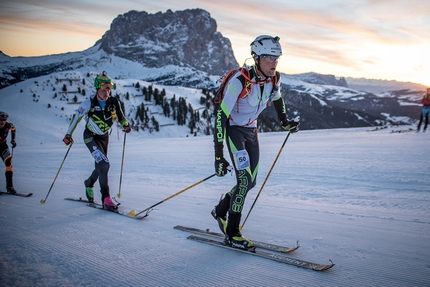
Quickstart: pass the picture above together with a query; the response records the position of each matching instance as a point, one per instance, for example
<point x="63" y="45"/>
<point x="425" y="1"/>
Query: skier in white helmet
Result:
<point x="246" y="95"/>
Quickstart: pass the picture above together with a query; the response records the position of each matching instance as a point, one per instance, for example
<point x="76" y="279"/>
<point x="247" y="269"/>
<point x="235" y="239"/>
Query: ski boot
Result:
<point x="11" y="190"/>
<point x="109" y="204"/>
<point x="235" y="238"/>
<point x="89" y="191"/>
<point x="239" y="241"/>
<point x="222" y="222"/>
<point x="221" y="208"/>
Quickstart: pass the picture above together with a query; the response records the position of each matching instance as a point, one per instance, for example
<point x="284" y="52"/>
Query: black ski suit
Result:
<point x="5" y="152"/>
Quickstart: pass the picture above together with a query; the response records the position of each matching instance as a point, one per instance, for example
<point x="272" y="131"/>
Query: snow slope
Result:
<point x="359" y="198"/>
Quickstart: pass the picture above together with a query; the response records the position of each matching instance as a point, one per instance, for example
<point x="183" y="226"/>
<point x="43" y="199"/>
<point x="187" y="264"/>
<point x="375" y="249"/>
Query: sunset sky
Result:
<point x="377" y="39"/>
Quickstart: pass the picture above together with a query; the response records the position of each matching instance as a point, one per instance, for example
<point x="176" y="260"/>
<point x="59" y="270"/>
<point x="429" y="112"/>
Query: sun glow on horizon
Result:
<point x="315" y="37"/>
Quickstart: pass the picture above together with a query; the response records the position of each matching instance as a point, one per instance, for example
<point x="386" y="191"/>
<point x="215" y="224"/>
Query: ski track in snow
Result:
<point x="360" y="199"/>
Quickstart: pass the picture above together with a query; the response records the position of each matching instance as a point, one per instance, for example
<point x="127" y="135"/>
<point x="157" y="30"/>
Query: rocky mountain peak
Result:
<point x="319" y="79"/>
<point x="187" y="38"/>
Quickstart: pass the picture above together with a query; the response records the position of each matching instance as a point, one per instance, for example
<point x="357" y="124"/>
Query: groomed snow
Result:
<point x="358" y="198"/>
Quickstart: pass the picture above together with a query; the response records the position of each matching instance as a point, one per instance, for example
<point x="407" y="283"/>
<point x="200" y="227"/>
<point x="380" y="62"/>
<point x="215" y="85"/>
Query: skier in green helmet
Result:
<point x="100" y="111"/>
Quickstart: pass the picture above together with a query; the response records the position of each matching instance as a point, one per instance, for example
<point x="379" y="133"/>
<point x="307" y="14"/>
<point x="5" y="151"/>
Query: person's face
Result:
<point x="104" y="91"/>
<point x="268" y="64"/>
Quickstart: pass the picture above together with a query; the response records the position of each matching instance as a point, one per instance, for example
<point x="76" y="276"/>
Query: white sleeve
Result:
<point x="83" y="109"/>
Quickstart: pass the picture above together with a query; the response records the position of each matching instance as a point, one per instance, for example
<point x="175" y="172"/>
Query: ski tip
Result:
<point x="132" y="213"/>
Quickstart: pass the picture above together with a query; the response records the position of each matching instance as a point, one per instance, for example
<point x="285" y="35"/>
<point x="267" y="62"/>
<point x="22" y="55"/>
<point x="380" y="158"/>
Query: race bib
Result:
<point x="98" y="155"/>
<point x="241" y="159"/>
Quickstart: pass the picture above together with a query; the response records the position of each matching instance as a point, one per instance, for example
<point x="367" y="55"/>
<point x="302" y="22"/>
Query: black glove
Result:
<point x="221" y="166"/>
<point x="67" y="139"/>
<point x="126" y="129"/>
<point x="13" y="143"/>
<point x="291" y="125"/>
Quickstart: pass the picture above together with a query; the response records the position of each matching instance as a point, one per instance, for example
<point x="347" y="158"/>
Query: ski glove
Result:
<point x="221" y="166"/>
<point x="13" y="143"/>
<point x="126" y="129"/>
<point x="291" y="125"/>
<point x="67" y="139"/>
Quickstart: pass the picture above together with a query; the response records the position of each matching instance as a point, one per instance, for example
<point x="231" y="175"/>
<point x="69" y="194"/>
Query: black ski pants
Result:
<point x="240" y="139"/>
<point x="424" y="117"/>
<point x="98" y="147"/>
<point x="7" y="159"/>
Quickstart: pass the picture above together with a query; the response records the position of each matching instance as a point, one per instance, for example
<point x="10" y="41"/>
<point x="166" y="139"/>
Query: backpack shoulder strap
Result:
<point x="92" y="101"/>
<point x="246" y="79"/>
<point x="275" y="81"/>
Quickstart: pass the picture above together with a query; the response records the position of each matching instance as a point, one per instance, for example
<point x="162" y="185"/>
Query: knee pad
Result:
<point x="8" y="163"/>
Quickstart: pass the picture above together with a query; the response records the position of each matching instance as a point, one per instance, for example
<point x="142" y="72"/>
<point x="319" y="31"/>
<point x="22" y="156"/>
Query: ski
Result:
<point x="258" y="244"/>
<point x="402" y="131"/>
<point x="131" y="214"/>
<point x="80" y="199"/>
<point x="268" y="255"/>
<point x="377" y="129"/>
<point x="17" y="194"/>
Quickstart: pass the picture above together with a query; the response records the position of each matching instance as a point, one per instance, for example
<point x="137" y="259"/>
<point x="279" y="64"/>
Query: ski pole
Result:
<point x="261" y="188"/>
<point x="179" y="192"/>
<point x="122" y="165"/>
<point x="44" y="200"/>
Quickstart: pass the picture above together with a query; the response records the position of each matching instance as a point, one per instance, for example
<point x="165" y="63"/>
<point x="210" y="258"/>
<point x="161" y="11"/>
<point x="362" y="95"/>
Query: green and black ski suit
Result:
<point x="236" y="125"/>
<point x="100" y="116"/>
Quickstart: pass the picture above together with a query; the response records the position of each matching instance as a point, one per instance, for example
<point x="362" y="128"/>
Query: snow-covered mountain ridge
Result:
<point x="322" y="101"/>
<point x="45" y="105"/>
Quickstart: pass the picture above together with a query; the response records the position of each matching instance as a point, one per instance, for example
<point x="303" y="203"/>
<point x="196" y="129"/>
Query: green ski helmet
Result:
<point x="266" y="45"/>
<point x="103" y="78"/>
<point x="3" y="115"/>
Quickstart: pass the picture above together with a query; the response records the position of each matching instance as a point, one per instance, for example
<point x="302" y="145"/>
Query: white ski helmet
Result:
<point x="266" y="45"/>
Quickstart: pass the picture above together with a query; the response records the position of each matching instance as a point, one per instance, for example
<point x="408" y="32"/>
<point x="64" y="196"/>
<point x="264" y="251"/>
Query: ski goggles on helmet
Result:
<point x="106" y="86"/>
<point x="270" y="58"/>
<point x="103" y="78"/>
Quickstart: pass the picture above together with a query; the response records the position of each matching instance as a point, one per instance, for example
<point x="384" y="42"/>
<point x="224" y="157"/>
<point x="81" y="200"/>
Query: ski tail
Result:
<point x="267" y="255"/>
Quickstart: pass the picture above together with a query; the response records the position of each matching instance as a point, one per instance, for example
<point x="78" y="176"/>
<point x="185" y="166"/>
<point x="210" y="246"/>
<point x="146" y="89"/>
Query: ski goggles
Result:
<point x="106" y="86"/>
<point x="270" y="58"/>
